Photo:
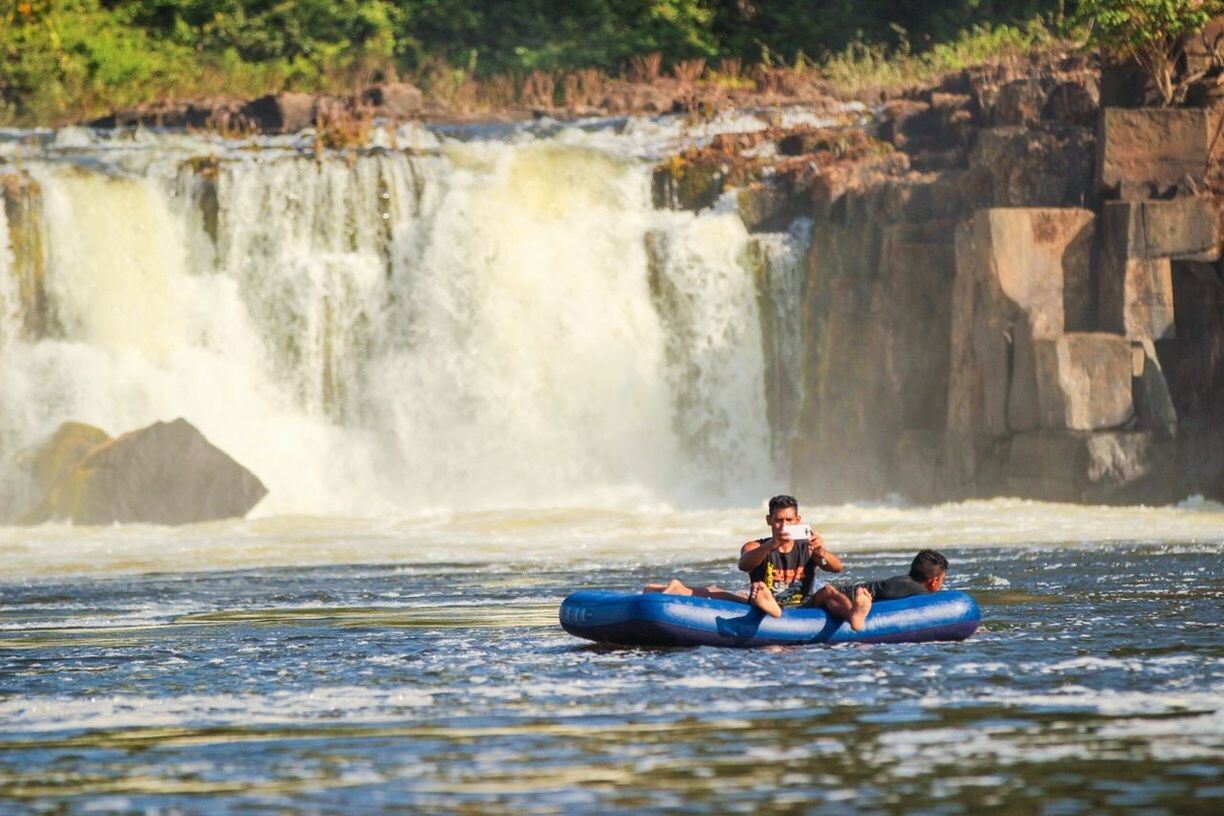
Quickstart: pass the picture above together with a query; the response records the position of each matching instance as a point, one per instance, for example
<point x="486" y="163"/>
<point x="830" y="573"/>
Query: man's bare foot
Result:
<point x="859" y="609"/>
<point x="765" y="601"/>
<point x="674" y="587"/>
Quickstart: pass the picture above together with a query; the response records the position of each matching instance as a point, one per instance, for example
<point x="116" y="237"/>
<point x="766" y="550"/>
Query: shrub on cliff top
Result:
<point x="1150" y="33"/>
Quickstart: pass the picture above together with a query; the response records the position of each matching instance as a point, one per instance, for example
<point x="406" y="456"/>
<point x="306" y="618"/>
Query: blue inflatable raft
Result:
<point x="656" y="619"/>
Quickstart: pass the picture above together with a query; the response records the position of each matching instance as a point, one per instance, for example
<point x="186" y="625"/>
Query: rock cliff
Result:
<point x="1010" y="290"/>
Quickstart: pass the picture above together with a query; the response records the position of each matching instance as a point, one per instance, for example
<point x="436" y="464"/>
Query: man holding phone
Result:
<point x="781" y="567"/>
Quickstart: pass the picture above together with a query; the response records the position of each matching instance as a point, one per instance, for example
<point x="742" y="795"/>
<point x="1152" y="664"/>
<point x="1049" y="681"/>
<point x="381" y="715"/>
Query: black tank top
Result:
<point x="788" y="575"/>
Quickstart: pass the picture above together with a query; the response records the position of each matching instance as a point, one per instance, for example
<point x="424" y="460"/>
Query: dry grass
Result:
<point x="645" y="68"/>
<point x="540" y="89"/>
<point x="689" y="71"/>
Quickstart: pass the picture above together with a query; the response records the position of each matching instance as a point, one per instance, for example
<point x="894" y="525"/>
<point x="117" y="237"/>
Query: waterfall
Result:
<point x="483" y="323"/>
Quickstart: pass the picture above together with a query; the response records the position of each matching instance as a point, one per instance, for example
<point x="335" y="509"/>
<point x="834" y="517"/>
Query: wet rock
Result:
<point x="1148" y="152"/>
<point x="687" y="185"/>
<point x="918" y="464"/>
<point x="21" y="199"/>
<point x="770" y="205"/>
<point x="167" y="473"/>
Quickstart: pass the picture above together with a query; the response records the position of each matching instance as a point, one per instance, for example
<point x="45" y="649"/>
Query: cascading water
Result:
<point x="486" y="323"/>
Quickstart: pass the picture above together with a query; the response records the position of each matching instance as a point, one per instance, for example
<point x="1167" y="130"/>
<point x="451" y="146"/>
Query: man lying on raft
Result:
<point x="781" y="569"/>
<point x="853" y="601"/>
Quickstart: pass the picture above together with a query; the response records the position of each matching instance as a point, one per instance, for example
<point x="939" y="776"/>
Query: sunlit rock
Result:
<point x="1022" y="275"/>
<point x="62" y="453"/>
<point x="1083" y="381"/>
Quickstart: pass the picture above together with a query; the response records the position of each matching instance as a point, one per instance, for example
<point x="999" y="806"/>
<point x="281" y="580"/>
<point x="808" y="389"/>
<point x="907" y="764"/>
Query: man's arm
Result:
<point x="754" y="553"/>
<point x="826" y="559"/>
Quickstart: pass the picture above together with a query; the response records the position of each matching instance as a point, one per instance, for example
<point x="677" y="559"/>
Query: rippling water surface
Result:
<point x="329" y="666"/>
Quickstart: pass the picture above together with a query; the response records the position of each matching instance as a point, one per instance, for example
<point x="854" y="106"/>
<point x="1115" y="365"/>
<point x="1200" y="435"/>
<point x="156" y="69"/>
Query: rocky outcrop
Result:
<point x="167" y="473"/>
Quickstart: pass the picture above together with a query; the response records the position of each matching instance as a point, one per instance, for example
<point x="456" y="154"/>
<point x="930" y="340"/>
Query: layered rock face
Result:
<point x="1016" y="293"/>
<point x="167" y="473"/>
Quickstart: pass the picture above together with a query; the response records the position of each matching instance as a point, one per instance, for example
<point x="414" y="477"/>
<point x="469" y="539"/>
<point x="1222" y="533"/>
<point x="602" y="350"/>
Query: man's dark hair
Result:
<point x="781" y="503"/>
<point x="927" y="565"/>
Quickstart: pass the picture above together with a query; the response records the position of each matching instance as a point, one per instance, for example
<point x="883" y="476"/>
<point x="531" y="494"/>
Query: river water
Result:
<point x="477" y="374"/>
<point x="325" y="665"/>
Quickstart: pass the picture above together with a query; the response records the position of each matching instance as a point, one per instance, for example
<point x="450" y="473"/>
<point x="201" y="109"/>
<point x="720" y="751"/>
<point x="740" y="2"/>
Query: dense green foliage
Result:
<point x="61" y="59"/>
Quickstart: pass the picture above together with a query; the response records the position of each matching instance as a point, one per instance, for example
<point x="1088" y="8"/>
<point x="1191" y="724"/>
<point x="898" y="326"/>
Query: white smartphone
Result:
<point x="799" y="532"/>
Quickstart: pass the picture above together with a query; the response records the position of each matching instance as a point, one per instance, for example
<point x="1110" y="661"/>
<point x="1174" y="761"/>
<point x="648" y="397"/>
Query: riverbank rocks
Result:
<point x="167" y="473"/>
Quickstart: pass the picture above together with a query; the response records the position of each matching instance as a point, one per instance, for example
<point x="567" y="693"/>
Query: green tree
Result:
<point x="1150" y="33"/>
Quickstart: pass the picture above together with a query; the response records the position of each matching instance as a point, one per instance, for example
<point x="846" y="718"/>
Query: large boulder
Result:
<point x="167" y="473"/>
<point x="62" y="453"/>
<point x="1146" y="152"/>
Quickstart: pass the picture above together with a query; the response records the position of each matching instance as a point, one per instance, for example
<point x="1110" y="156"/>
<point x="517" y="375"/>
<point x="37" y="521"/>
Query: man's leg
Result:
<point x="720" y="594"/>
<point x="675" y="587"/>
<point x="830" y="599"/>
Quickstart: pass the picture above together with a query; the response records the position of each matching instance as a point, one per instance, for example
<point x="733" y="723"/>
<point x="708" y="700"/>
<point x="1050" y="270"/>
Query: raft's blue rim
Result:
<point x="657" y="619"/>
